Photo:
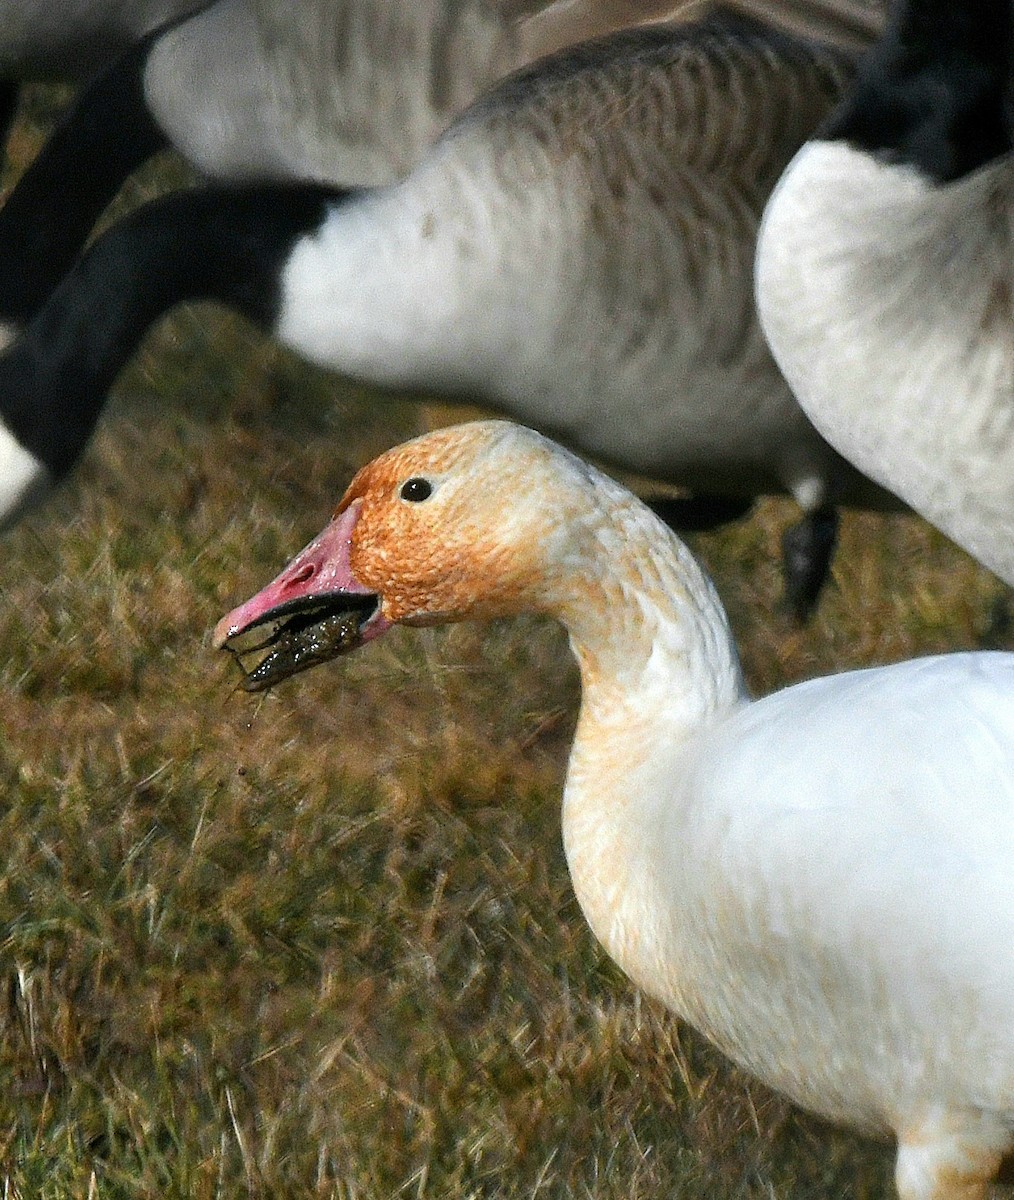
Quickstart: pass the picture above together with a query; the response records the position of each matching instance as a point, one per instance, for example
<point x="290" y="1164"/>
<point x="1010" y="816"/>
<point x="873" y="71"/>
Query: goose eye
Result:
<point x="416" y="489"/>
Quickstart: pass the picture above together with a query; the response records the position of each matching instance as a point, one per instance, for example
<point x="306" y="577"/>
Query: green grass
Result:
<point x="323" y="942"/>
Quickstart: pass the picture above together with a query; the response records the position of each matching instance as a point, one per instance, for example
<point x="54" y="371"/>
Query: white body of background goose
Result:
<point x="885" y="273"/>
<point x="577" y="251"/>
<point x="822" y="881"/>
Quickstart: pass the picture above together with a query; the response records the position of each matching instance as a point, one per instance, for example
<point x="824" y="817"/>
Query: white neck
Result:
<point x="658" y="665"/>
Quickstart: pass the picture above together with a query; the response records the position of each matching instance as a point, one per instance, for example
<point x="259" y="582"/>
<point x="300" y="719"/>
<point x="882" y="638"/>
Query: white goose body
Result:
<point x="827" y="887"/>
<point x="885" y="285"/>
<point x="890" y="309"/>
<point x="821" y="881"/>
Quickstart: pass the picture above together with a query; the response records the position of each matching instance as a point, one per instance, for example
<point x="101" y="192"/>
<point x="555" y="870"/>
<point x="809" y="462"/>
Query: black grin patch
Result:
<point x="299" y="635"/>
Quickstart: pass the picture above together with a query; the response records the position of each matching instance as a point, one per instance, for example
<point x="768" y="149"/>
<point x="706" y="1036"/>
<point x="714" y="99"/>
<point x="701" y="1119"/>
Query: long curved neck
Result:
<point x="658" y="666"/>
<point x="50" y="213"/>
<point x="223" y="244"/>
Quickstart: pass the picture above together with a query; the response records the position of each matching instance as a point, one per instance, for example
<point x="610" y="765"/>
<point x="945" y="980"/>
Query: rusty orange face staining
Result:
<point x="445" y="556"/>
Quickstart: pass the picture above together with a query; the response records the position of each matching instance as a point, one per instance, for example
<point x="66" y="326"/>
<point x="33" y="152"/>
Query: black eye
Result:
<point x="416" y="489"/>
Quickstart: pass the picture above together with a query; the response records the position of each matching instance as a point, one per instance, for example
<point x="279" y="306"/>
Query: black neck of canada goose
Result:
<point x="50" y="213"/>
<point x="937" y="92"/>
<point x="227" y="245"/>
<point x="8" y="103"/>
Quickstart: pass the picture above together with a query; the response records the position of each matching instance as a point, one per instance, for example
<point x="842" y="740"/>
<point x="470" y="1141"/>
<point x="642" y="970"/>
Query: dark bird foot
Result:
<point x="8" y="103"/>
<point x="807" y="550"/>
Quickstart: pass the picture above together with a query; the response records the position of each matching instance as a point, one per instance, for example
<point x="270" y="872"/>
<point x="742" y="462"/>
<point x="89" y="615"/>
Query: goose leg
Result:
<point x="997" y="634"/>
<point x="8" y="102"/>
<point x="950" y="1158"/>
<point x="694" y="514"/>
<point x="807" y="550"/>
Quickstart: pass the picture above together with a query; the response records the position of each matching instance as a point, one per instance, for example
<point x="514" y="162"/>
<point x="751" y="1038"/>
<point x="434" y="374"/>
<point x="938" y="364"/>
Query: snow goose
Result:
<point x="885" y="272"/>
<point x="821" y="881"/>
<point x="577" y="251"/>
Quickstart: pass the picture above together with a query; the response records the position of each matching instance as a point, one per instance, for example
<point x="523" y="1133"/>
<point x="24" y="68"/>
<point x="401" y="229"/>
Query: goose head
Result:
<point x="470" y="522"/>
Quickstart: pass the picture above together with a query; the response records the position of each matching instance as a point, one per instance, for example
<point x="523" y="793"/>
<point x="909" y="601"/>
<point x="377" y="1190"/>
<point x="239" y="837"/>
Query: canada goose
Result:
<point x="577" y="251"/>
<point x="821" y="881"/>
<point x="343" y="92"/>
<point x="347" y="92"/>
<point x="885" y="275"/>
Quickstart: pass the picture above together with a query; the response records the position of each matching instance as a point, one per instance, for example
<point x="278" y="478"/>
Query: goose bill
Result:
<point x="301" y="634"/>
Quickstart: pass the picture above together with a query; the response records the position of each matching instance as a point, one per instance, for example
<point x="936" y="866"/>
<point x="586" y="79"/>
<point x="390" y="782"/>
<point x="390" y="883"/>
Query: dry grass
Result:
<point x="323" y="943"/>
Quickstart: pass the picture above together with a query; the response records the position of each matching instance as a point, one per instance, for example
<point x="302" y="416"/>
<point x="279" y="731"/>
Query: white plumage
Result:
<point x="822" y="881"/>
<point x="885" y="274"/>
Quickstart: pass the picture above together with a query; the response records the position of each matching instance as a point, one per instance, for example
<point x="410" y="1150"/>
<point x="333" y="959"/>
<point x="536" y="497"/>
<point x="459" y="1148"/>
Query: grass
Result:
<point x="323" y="942"/>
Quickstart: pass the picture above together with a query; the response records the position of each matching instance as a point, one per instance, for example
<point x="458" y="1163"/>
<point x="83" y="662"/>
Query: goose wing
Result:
<point x="870" y="815"/>
<point x="546" y="27"/>
<point x="845" y="878"/>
